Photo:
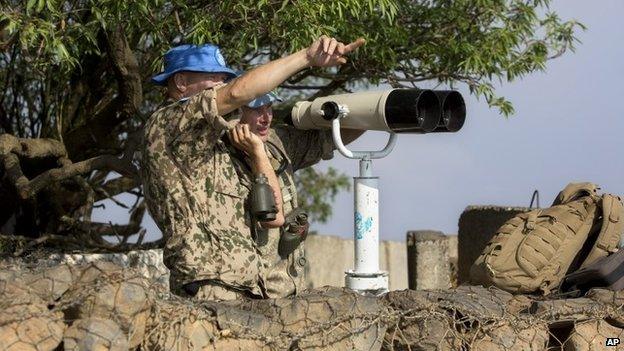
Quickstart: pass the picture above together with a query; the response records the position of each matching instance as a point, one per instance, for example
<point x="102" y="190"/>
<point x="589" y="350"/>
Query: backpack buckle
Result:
<point x="532" y="219"/>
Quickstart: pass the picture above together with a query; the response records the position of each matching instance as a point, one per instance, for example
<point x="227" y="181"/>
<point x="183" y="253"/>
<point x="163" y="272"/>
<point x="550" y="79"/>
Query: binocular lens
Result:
<point x="453" y="111"/>
<point x="412" y="111"/>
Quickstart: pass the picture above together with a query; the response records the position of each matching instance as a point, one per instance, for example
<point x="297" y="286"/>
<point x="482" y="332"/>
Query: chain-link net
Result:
<point x="101" y="305"/>
<point x="95" y="334"/>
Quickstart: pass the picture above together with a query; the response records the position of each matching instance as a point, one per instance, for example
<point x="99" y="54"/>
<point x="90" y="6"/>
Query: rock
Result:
<point x="27" y="324"/>
<point x="48" y="283"/>
<point x="422" y="326"/>
<point x="591" y="335"/>
<point x="148" y="263"/>
<point x="300" y="323"/>
<point x="114" y="307"/>
<point x="177" y="325"/>
<point x="429" y="332"/>
<point x="95" y="334"/>
<point x="563" y="312"/>
<point x="355" y="320"/>
<point x="460" y="318"/>
<point x="613" y="302"/>
<point x="119" y="295"/>
<point x="516" y="337"/>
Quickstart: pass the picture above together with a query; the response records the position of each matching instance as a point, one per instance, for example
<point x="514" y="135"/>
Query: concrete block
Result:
<point x="452" y="252"/>
<point x="393" y="258"/>
<point x="428" y="263"/>
<point x="329" y="257"/>
<point x="477" y="225"/>
<point x="452" y="246"/>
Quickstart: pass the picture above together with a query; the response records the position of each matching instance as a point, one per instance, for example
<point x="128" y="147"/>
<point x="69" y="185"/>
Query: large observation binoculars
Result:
<point x="394" y="110"/>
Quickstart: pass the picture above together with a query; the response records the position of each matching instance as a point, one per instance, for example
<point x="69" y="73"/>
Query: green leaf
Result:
<point x="283" y="6"/>
<point x="40" y="5"/>
<point x="471" y="43"/>
<point x="29" y="5"/>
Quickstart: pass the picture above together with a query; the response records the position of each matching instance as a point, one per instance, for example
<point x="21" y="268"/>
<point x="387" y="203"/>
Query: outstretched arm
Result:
<point x="324" y="52"/>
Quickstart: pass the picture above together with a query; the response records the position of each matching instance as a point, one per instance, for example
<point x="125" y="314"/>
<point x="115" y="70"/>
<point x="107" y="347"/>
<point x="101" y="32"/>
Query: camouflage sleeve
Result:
<point x="195" y="128"/>
<point x="306" y="147"/>
<point x="202" y="108"/>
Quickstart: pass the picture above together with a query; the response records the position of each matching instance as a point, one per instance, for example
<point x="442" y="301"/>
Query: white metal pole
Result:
<point x="366" y="220"/>
<point x="366" y="276"/>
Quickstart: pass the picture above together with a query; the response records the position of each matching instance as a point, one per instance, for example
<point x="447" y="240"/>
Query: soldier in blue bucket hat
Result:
<point x="192" y="58"/>
<point x="198" y="170"/>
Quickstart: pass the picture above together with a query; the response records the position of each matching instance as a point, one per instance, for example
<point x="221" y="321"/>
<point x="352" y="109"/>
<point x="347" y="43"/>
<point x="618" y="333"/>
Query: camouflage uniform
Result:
<point x="197" y="191"/>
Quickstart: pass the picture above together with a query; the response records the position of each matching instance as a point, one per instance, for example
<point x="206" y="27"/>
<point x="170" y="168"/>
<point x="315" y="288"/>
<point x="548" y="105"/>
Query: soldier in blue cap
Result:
<point x="197" y="181"/>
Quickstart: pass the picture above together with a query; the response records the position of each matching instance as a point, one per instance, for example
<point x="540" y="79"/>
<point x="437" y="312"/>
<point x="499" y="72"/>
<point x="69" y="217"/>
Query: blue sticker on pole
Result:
<point x="362" y="226"/>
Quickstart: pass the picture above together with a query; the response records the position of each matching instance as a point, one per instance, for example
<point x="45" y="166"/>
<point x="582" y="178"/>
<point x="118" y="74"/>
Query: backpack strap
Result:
<point x="611" y="230"/>
<point x="574" y="191"/>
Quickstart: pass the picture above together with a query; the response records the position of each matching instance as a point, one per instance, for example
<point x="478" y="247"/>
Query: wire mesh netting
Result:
<point x="100" y="304"/>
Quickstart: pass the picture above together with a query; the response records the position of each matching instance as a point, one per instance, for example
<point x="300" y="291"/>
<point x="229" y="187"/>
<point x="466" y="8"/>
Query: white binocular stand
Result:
<point x="366" y="276"/>
<point x="395" y="111"/>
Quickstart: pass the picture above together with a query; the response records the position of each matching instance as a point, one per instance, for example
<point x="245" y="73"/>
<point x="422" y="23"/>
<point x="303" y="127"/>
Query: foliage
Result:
<point x="318" y="189"/>
<point x="75" y="71"/>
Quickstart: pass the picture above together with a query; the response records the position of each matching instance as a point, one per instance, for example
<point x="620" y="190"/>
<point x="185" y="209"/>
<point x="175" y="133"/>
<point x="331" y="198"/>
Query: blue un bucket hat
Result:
<point x="204" y="58"/>
<point x="264" y="100"/>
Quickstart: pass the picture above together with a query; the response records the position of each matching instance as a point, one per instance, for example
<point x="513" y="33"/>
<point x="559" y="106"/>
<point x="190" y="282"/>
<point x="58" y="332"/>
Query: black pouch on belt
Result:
<point x="294" y="231"/>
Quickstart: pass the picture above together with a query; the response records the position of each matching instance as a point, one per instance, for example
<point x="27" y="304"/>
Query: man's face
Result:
<point x="198" y="81"/>
<point x="258" y="119"/>
<point x="188" y="83"/>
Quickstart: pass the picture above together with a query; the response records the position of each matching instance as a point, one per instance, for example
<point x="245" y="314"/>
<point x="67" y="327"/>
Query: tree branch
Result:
<point x="95" y="230"/>
<point x="97" y="129"/>
<point x="126" y="69"/>
<point x="31" y="148"/>
<point x="5" y="123"/>
<point x="329" y="88"/>
<point x="115" y="187"/>
<point x="57" y="174"/>
<point x="12" y="147"/>
<point x="302" y="87"/>
<point x="69" y="242"/>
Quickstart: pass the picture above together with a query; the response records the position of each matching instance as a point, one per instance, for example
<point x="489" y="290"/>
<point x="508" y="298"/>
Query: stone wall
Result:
<point x="330" y="256"/>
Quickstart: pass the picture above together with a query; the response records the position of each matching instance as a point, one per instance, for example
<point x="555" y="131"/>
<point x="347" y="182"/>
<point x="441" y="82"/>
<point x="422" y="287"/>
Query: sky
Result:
<point x="568" y="126"/>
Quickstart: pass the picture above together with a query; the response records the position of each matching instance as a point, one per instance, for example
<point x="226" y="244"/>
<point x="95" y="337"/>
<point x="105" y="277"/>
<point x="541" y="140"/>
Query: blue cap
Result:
<point x="205" y="58"/>
<point x="264" y="100"/>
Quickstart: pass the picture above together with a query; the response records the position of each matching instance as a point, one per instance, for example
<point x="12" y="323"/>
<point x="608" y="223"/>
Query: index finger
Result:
<point x="233" y="136"/>
<point x="246" y="131"/>
<point x="356" y="44"/>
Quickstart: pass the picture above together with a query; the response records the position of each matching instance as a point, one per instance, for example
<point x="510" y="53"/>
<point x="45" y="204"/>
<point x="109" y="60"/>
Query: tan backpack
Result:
<point x="534" y="250"/>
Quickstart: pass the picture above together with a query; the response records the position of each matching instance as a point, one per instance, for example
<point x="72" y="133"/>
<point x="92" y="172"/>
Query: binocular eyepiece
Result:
<point x="395" y="110"/>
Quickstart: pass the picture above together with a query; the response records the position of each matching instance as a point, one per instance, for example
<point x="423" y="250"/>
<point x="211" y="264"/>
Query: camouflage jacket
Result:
<point x="290" y="149"/>
<point x="197" y="194"/>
